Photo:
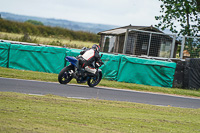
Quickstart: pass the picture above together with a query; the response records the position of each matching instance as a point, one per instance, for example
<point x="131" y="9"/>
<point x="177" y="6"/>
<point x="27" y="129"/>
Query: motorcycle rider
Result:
<point x="89" y="57"/>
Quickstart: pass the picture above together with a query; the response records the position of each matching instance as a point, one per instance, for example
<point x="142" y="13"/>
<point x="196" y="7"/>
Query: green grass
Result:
<point x="56" y="41"/>
<point x="30" y="75"/>
<point x="28" y="113"/>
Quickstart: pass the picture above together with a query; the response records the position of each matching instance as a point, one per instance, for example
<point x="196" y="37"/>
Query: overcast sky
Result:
<point x="114" y="12"/>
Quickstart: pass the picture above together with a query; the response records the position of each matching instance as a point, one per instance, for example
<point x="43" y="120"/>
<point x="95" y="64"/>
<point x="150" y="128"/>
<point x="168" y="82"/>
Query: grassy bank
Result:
<point x="56" y="41"/>
<point x="27" y="113"/>
<point x="30" y="75"/>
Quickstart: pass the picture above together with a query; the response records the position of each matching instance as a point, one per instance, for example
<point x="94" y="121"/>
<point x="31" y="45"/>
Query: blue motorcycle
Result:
<point x="74" y="70"/>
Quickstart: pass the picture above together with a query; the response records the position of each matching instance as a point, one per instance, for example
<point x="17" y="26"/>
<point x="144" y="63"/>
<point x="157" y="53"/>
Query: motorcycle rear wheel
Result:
<point x="64" y="76"/>
<point x="93" y="81"/>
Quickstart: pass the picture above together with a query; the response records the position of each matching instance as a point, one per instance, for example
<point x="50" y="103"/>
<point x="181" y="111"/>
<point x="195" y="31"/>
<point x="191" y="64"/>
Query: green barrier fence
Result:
<point x="117" y="67"/>
<point x="37" y="58"/>
<point x="111" y="66"/>
<point x="4" y="54"/>
<point x="147" y="72"/>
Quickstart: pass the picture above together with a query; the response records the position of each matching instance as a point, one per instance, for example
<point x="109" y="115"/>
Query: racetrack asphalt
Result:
<point x="85" y="92"/>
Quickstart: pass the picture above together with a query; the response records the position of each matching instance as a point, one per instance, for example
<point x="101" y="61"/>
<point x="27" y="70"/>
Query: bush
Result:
<point x="34" y="22"/>
<point x="46" y="31"/>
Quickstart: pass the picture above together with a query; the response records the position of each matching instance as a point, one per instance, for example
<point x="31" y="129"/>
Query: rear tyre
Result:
<point x="93" y="81"/>
<point x="64" y="76"/>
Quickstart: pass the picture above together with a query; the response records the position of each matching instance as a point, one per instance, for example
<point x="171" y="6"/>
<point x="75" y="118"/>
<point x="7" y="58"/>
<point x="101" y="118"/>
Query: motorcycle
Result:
<point x="74" y="70"/>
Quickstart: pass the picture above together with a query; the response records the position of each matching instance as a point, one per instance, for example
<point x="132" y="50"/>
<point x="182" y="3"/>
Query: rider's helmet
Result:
<point x="96" y="47"/>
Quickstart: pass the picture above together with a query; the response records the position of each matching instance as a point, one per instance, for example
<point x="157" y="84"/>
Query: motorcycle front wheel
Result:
<point x="93" y="81"/>
<point x="64" y="76"/>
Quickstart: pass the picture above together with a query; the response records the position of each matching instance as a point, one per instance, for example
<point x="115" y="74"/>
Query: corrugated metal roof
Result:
<point x="114" y="32"/>
<point x="122" y="30"/>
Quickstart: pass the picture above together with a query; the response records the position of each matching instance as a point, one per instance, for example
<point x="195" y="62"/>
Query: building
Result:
<point x="138" y="40"/>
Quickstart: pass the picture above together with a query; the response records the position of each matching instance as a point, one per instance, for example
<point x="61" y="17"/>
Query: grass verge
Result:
<point x="28" y="113"/>
<point x="30" y="75"/>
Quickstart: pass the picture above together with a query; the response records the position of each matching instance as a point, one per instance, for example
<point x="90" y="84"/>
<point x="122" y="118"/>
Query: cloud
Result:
<point x="115" y="12"/>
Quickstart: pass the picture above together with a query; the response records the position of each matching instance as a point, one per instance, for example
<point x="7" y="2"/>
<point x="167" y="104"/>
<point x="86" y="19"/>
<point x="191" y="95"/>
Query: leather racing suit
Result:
<point x="88" y="59"/>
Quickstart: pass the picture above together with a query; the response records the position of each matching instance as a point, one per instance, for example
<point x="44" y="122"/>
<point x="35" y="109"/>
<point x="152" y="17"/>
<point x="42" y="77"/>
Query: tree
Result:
<point x="180" y="16"/>
<point x="34" y="22"/>
<point x="198" y="5"/>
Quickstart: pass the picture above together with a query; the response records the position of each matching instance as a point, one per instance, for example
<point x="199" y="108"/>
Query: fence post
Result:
<point x="125" y="41"/>
<point x="182" y="47"/>
<point x="149" y="44"/>
<point x="8" y="63"/>
<point x="173" y="45"/>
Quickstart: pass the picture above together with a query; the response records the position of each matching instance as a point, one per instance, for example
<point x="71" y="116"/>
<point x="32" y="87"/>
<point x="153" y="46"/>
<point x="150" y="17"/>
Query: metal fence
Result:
<point x="190" y="47"/>
<point x="150" y="44"/>
<point x="156" y="44"/>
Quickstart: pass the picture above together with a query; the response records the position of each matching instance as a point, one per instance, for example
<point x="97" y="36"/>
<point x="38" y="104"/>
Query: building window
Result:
<point x="108" y="43"/>
<point x="165" y="48"/>
<point x="144" y="45"/>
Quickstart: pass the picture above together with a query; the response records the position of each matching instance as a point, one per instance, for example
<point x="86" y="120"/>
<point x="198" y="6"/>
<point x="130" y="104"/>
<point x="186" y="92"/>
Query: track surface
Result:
<point x="84" y="92"/>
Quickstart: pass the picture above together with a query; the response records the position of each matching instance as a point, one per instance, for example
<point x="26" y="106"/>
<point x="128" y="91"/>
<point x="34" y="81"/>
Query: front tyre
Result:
<point x="93" y="81"/>
<point x="64" y="76"/>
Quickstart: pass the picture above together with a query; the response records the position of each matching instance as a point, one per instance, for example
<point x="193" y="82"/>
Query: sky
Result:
<point x="113" y="12"/>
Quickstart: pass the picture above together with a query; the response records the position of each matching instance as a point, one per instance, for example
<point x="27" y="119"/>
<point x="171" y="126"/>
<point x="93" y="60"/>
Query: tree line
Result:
<point x="45" y="31"/>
